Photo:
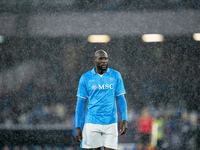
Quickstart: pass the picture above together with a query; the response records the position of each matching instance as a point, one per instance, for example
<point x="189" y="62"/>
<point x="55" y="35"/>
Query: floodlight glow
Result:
<point x="98" y="38"/>
<point x="196" y="36"/>
<point x="153" y="38"/>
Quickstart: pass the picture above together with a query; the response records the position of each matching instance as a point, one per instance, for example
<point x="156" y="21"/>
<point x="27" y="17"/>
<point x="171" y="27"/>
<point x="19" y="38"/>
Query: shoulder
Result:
<point x="114" y="71"/>
<point x="115" y="74"/>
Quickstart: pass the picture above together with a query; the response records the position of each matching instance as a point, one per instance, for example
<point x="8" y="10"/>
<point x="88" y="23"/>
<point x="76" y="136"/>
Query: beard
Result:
<point x="102" y="70"/>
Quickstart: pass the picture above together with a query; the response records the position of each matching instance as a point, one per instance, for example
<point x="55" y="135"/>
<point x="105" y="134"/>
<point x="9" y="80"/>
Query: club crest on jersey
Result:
<point x="94" y="87"/>
<point x="111" y="79"/>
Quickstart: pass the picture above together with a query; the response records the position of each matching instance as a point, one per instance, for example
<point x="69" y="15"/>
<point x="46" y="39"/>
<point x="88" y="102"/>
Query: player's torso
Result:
<point x="101" y="96"/>
<point x="97" y="85"/>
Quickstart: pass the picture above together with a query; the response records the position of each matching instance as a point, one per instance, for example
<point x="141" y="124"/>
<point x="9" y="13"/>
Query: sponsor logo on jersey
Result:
<point x="106" y="86"/>
<point x="103" y="86"/>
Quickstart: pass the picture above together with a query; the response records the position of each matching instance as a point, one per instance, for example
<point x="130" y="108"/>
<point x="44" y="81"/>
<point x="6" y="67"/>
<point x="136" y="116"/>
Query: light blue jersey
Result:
<point x="101" y="91"/>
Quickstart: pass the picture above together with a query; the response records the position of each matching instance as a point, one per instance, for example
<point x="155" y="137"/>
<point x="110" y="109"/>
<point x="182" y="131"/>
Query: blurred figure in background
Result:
<point x="159" y="122"/>
<point x="144" y="126"/>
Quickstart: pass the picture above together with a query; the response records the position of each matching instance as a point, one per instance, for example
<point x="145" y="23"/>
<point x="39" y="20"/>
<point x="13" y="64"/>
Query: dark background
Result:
<point x="44" y="51"/>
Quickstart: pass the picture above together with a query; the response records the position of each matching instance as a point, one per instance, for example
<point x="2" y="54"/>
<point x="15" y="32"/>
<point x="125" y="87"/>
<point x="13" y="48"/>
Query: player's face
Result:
<point x="101" y="60"/>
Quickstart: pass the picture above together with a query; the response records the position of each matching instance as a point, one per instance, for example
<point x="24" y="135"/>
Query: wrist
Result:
<point x="125" y="119"/>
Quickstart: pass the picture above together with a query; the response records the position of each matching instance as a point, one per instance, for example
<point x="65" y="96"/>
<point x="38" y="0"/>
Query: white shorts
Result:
<point x="96" y="135"/>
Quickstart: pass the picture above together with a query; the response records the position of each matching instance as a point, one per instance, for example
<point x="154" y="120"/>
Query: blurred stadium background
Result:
<point x="44" y="49"/>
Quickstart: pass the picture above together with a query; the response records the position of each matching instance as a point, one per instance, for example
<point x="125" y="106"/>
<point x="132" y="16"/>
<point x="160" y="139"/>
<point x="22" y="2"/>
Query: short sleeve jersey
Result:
<point x="101" y="91"/>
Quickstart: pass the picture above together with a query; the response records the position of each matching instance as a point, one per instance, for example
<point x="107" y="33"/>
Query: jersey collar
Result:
<point x="94" y="72"/>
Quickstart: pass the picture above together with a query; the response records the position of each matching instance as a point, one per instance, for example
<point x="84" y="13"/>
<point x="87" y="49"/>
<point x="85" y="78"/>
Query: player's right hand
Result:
<point x="78" y="134"/>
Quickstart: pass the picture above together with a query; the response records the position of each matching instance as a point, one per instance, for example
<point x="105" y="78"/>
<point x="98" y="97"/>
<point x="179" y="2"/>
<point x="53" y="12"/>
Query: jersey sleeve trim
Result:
<point x="81" y="97"/>
<point x="121" y="94"/>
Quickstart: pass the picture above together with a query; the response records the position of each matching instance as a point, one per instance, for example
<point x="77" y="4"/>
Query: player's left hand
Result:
<point x="78" y="134"/>
<point x="123" y="127"/>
